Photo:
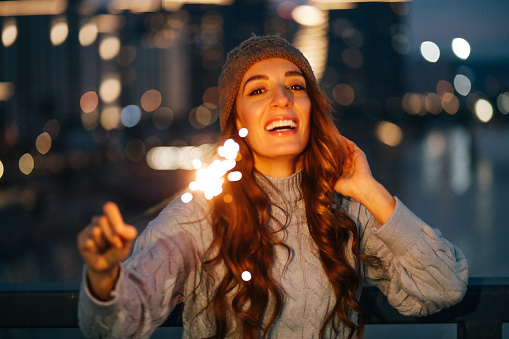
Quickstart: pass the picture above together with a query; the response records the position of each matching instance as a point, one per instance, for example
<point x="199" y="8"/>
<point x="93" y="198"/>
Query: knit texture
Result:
<point x="423" y="272"/>
<point x="241" y="58"/>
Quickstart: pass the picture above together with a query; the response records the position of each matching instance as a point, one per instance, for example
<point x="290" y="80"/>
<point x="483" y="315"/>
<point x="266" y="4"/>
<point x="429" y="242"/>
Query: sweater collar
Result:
<point x="281" y="190"/>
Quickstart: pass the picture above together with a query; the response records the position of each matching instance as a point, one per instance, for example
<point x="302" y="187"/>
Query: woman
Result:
<point x="307" y="221"/>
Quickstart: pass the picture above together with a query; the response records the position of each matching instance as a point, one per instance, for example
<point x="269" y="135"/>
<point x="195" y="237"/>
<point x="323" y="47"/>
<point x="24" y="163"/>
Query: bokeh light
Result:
<point x="162" y="118"/>
<point x="59" y="31"/>
<point x="503" y="102"/>
<point x="246" y="276"/>
<point x="109" y="47"/>
<point x="6" y="91"/>
<point x="430" y="51"/>
<point x="352" y="37"/>
<point x="352" y="57"/>
<point x="26" y="164"/>
<point x="414" y="104"/>
<point x="461" y="48"/>
<point x="234" y="176"/>
<point x="1" y="169"/>
<point x="202" y="116"/>
<point x="343" y="94"/>
<point x="433" y="103"/>
<point x="89" y="101"/>
<point x="88" y="34"/>
<point x="483" y="110"/>
<point x="389" y="133"/>
<point x="110" y="88"/>
<point x="172" y="157"/>
<point x="400" y="8"/>
<point x="450" y="103"/>
<point x="462" y="84"/>
<point x="308" y="15"/>
<point x="186" y="197"/>
<point x="135" y="150"/>
<point x="43" y="143"/>
<point x="130" y="115"/>
<point x="52" y="127"/>
<point x="401" y="43"/>
<point x="151" y="100"/>
<point x="89" y="121"/>
<point x="243" y="132"/>
<point x="110" y="117"/>
<point x="9" y="32"/>
<point x="285" y="8"/>
<point x="211" y="97"/>
<point x="444" y="87"/>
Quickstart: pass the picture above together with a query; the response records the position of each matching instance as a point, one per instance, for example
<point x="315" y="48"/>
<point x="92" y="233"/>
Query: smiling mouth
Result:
<point x="281" y="125"/>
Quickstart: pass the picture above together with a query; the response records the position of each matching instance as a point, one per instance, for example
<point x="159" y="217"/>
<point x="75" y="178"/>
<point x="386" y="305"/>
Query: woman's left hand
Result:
<point x="357" y="182"/>
<point x="356" y="172"/>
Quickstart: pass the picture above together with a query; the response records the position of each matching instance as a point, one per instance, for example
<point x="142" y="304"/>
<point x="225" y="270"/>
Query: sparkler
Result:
<point x="210" y="179"/>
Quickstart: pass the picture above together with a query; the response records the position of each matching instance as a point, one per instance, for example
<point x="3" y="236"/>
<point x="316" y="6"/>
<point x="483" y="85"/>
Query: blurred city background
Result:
<point x="112" y="100"/>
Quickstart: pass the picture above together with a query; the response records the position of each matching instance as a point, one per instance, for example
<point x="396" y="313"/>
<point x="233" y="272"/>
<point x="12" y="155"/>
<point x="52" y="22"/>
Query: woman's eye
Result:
<point x="297" y="87"/>
<point x="257" y="91"/>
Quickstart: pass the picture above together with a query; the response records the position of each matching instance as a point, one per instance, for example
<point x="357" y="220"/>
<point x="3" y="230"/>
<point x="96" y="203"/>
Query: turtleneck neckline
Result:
<point x="281" y="190"/>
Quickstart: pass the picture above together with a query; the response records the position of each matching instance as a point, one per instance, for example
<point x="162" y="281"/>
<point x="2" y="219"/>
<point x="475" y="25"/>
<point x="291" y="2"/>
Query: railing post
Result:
<point x="475" y="329"/>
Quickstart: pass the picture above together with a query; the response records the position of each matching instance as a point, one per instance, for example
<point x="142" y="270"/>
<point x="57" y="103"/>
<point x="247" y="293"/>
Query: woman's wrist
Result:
<point x="377" y="200"/>
<point x="101" y="283"/>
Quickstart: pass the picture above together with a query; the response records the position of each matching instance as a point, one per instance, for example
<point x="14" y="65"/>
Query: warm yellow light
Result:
<point x="308" y="15"/>
<point x="59" y="31"/>
<point x="451" y="103"/>
<point x="109" y="47"/>
<point x="110" y="117"/>
<point x="88" y="34"/>
<point x="1" y="169"/>
<point x="43" y="143"/>
<point x="89" y="101"/>
<point x="389" y="133"/>
<point x="6" y="91"/>
<point x="484" y="110"/>
<point x="32" y="7"/>
<point x="433" y="103"/>
<point x="151" y="100"/>
<point x="110" y="89"/>
<point x="9" y="32"/>
<point x="26" y="164"/>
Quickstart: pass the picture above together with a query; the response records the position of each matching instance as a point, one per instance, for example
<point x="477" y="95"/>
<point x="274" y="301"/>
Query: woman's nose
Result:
<point x="283" y="97"/>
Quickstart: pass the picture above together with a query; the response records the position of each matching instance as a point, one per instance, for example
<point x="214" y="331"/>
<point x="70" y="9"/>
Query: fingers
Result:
<point x="114" y="216"/>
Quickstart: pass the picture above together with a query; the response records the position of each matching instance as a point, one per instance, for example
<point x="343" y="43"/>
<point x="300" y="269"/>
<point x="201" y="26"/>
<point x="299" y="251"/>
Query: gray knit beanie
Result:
<point x="242" y="57"/>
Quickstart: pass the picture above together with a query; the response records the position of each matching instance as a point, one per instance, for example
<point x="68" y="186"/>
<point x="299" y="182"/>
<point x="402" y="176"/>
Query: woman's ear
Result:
<point x="238" y="124"/>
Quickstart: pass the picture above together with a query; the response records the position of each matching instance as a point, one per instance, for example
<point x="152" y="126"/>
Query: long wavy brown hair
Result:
<point x="243" y="242"/>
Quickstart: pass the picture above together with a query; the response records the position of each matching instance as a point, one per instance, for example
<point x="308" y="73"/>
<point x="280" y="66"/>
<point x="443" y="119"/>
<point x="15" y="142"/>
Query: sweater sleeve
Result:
<point x="151" y="282"/>
<point x="421" y="272"/>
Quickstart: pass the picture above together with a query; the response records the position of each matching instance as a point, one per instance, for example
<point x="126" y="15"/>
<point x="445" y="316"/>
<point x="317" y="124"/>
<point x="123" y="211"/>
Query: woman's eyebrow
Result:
<point x="294" y="73"/>
<point x="254" y="77"/>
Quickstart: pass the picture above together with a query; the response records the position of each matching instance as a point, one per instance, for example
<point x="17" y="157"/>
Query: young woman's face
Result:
<point x="274" y="106"/>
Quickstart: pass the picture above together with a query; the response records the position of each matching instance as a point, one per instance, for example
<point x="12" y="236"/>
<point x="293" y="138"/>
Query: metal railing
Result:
<point x="479" y="315"/>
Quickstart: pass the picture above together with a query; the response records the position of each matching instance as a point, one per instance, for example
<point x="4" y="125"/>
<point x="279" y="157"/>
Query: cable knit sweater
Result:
<point x="423" y="272"/>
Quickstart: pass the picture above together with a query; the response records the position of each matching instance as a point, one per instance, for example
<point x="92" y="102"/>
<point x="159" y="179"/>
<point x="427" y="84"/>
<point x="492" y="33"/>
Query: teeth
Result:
<point x="289" y="124"/>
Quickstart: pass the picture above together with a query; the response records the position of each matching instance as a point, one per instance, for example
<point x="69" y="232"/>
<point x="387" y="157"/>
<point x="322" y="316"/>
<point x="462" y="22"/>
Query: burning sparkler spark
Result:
<point x="246" y="276"/>
<point x="210" y="179"/>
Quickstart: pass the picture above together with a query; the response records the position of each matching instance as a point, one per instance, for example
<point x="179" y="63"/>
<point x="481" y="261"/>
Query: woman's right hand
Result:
<point x="104" y="244"/>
